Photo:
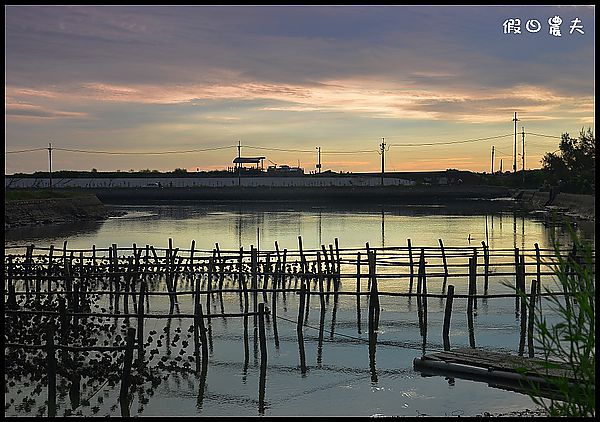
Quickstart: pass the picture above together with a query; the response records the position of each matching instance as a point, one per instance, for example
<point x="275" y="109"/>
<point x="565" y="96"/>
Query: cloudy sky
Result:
<point x="284" y="80"/>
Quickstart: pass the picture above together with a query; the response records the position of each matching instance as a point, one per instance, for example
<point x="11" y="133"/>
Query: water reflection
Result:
<point x="234" y="224"/>
<point x="52" y="233"/>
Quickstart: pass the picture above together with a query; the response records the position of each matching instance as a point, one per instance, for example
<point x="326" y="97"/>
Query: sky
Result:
<point x="284" y="80"/>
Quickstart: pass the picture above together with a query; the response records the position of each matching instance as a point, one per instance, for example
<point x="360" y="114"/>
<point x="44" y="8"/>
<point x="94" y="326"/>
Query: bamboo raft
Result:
<point x="500" y="370"/>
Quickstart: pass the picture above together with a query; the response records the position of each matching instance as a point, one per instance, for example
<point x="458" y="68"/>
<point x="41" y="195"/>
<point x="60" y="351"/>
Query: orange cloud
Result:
<point x="376" y="99"/>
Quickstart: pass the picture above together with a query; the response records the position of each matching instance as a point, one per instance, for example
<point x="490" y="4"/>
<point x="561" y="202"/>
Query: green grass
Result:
<point x="572" y="338"/>
<point x="20" y="194"/>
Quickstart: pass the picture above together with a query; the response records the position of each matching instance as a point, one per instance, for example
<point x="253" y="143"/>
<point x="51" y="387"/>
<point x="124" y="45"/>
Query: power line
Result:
<point x="279" y="149"/>
<point x="26" y="150"/>
<point x="351" y="152"/>
<point x="423" y="144"/>
<point x="142" y="152"/>
<point x="546" y="136"/>
<point x="451" y="142"/>
<point x="310" y="151"/>
<point x="504" y="153"/>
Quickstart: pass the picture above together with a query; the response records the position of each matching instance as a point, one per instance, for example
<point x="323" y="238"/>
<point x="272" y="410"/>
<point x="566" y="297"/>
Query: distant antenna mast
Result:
<point x="492" y="159"/>
<point x="239" y="164"/>
<point x="515" y="153"/>
<point x="382" y="146"/>
<point x="319" y="160"/>
<point x="523" y="150"/>
<point x="50" y="162"/>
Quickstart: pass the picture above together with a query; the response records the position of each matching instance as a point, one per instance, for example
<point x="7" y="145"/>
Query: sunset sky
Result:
<point x="178" y="78"/>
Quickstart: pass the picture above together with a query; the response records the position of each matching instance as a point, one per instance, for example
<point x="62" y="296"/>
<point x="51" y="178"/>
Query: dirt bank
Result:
<point x="29" y="212"/>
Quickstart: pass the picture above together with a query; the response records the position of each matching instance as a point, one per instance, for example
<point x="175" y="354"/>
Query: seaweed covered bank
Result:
<point x="31" y="212"/>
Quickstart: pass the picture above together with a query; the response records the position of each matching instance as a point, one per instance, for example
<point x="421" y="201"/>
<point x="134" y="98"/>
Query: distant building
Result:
<point x="240" y="161"/>
<point x="285" y="170"/>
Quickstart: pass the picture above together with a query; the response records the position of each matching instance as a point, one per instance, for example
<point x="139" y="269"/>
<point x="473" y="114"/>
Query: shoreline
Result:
<point x="94" y="204"/>
<point x="573" y="206"/>
<point x="19" y="213"/>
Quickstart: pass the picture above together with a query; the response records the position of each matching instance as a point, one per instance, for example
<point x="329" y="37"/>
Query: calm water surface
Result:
<point x="339" y="380"/>
<point x="261" y="224"/>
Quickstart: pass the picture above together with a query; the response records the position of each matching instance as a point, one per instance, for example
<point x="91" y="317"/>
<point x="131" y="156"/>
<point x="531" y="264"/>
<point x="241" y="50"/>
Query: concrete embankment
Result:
<point x="30" y="212"/>
<point x="574" y="205"/>
<point x="387" y="194"/>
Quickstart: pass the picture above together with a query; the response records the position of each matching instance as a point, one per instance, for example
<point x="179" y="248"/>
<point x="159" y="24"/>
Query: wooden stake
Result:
<point x="261" y="333"/>
<point x="447" y="317"/>
<point x="299" y="330"/>
<point x="486" y="266"/>
<point x="532" y="299"/>
<point x="410" y="258"/>
<point x="445" y="265"/>
<point x="140" y="321"/>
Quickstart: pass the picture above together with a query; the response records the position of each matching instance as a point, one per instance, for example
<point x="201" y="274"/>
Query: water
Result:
<point x="339" y="380"/>
<point x="261" y="224"/>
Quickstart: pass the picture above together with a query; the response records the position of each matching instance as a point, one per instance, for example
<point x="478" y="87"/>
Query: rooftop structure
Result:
<point x="240" y="161"/>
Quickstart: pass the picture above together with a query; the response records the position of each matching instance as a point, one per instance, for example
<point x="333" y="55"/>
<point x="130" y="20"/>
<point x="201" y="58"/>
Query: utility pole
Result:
<point x="50" y="161"/>
<point x="501" y="166"/>
<point x="382" y="146"/>
<point x="523" y="134"/>
<point x="239" y="165"/>
<point x="492" y="159"/>
<point x="319" y="160"/>
<point x="515" y="153"/>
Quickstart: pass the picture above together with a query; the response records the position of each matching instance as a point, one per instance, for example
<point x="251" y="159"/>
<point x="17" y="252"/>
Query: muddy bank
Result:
<point x="32" y="212"/>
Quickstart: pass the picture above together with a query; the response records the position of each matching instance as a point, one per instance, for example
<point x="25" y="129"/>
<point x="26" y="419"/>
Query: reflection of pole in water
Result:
<point x="320" y="345"/>
<point x="515" y="229"/>
<point x="202" y="385"/>
<point x="333" y="315"/>
<point x="487" y="237"/>
<point x="382" y="228"/>
<point x="320" y="242"/>
<point x="239" y="229"/>
<point x="523" y="232"/>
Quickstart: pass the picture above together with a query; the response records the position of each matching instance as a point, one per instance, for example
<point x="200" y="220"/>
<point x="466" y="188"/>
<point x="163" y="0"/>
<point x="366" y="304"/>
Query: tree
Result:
<point x="575" y="167"/>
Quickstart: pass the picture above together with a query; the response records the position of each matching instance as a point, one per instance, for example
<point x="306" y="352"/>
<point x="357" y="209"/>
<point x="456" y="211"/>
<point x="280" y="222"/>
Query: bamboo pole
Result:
<point x="447" y="317"/>
<point x="486" y="268"/>
<point x="532" y="299"/>
<point x="523" y="303"/>
<point x="410" y="257"/>
<point x="254" y="266"/>
<point x="299" y="332"/>
<point x="203" y="335"/>
<point x="445" y="265"/>
<point x="140" y="324"/>
<point x="262" y="334"/>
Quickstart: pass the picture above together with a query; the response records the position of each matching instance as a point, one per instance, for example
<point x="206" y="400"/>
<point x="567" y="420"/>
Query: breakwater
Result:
<point x="29" y="212"/>
<point x="388" y="194"/>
